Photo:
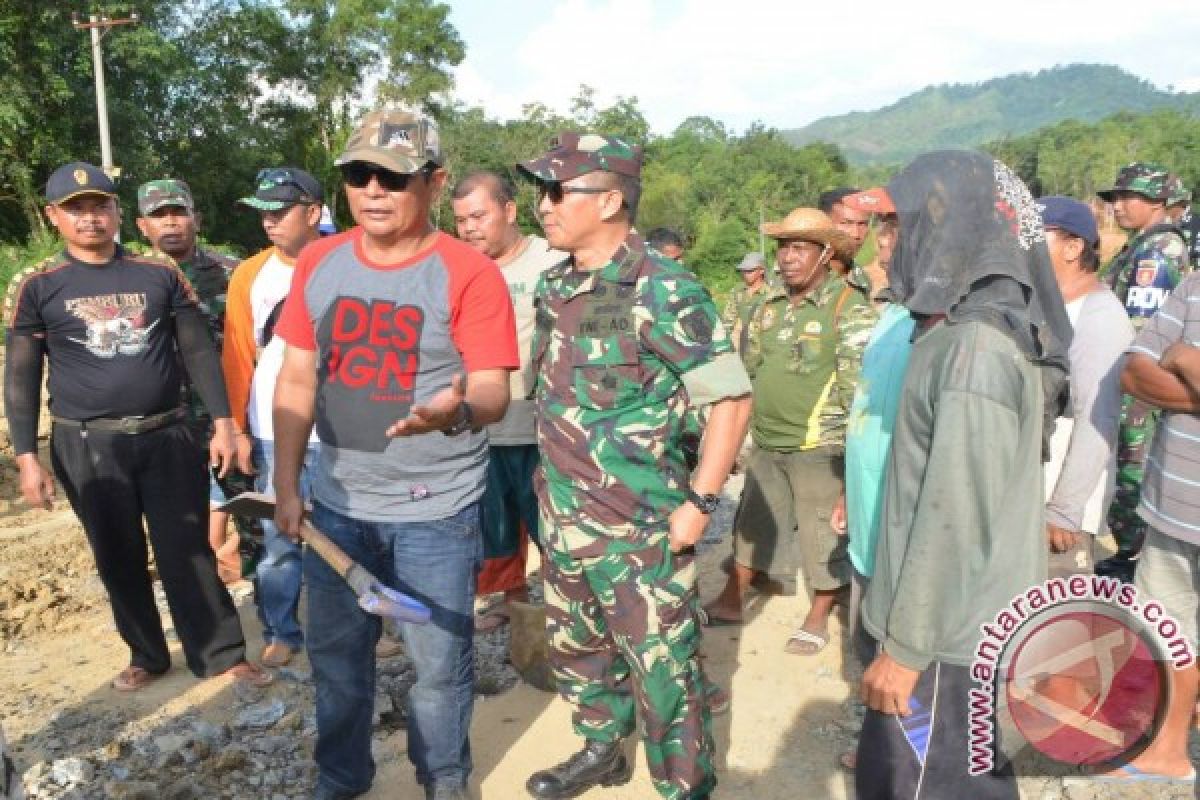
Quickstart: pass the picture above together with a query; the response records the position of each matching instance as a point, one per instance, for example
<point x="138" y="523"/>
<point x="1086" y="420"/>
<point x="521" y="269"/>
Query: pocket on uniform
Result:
<point x="806" y="354"/>
<point x="606" y="373"/>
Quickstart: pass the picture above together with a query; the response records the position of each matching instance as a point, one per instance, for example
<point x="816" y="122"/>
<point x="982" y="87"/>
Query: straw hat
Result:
<point x="812" y="225"/>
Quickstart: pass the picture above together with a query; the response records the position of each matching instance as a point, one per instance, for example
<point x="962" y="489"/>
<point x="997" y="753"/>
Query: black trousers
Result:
<point x="113" y="481"/>
<point x="926" y="756"/>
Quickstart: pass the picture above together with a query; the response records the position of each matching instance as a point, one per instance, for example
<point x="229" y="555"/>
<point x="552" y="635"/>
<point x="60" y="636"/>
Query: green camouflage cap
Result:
<point x="1142" y="177"/>
<point x="402" y="141"/>
<point x="1177" y="193"/>
<point x="573" y="154"/>
<point x="153" y="195"/>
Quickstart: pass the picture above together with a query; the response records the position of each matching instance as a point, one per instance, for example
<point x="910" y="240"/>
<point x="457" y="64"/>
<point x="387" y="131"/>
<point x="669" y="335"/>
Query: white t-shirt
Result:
<point x="522" y="275"/>
<point x="1081" y="472"/>
<point x="270" y="287"/>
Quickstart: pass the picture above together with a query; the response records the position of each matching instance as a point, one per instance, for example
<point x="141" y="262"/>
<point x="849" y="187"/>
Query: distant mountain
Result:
<point x="967" y="115"/>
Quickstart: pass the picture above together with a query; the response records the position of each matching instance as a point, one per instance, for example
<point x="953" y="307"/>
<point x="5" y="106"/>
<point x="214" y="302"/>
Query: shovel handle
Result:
<point x="326" y="549"/>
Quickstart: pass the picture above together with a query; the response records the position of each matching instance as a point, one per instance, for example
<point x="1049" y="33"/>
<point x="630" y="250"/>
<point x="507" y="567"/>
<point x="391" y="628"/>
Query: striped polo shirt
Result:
<point x="1171" y="487"/>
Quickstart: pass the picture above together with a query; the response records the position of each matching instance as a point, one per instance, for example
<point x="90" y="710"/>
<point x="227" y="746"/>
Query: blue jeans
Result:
<point x="435" y="561"/>
<point x="277" y="578"/>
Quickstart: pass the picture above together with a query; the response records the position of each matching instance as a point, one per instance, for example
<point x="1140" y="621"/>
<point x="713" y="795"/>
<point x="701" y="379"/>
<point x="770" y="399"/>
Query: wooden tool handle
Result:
<point x="326" y="549"/>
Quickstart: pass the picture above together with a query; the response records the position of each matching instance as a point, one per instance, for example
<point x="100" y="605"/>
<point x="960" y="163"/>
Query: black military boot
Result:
<point x="597" y="764"/>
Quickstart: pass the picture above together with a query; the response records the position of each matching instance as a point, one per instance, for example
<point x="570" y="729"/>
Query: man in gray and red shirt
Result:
<point x="381" y="324"/>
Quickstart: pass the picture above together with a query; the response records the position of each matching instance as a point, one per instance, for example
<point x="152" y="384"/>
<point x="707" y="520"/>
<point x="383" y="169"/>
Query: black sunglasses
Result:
<point x="357" y="174"/>
<point x="556" y="191"/>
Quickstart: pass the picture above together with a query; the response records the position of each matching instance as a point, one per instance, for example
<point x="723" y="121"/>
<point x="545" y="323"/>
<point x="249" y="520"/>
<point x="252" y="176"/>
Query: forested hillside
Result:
<point x="967" y="115"/>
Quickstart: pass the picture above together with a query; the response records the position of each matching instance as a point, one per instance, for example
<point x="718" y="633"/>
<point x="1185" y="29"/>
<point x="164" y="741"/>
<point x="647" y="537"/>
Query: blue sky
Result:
<point x="787" y="63"/>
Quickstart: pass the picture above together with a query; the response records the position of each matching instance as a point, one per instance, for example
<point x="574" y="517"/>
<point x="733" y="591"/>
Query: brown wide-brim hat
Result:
<point x="813" y="225"/>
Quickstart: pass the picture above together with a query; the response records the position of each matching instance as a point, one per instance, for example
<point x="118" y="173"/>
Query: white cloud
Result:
<point x="787" y="64"/>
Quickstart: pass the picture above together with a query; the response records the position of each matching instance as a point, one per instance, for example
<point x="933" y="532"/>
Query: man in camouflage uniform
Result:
<point x="742" y="299"/>
<point x="1142" y="275"/>
<point x="627" y="343"/>
<point x="804" y="347"/>
<point x="1180" y="213"/>
<point x="167" y="218"/>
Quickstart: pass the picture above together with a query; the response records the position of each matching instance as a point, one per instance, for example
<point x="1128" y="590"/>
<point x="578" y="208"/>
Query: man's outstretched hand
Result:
<point x="438" y="414"/>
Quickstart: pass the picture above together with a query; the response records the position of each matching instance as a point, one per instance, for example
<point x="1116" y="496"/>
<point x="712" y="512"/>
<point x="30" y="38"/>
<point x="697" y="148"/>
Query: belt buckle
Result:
<point x="131" y="424"/>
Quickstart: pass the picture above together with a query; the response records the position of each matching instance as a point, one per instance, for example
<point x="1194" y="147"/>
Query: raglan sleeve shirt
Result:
<point x="482" y="321"/>
<point x="240" y="350"/>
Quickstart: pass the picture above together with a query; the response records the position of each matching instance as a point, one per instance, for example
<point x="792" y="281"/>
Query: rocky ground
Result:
<point x="74" y="737"/>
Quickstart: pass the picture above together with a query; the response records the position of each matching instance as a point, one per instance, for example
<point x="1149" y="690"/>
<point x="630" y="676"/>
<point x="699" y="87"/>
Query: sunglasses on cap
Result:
<point x="555" y="191"/>
<point x="276" y="176"/>
<point x="357" y="174"/>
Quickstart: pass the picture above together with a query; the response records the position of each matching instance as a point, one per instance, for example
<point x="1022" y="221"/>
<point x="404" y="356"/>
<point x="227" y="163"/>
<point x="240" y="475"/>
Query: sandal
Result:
<point x="805" y="643"/>
<point x="710" y="620"/>
<point x="133" y="678"/>
<point x="250" y="674"/>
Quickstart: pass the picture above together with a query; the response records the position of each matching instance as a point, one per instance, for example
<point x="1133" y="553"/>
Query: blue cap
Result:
<point x="76" y="178"/>
<point x="1072" y="216"/>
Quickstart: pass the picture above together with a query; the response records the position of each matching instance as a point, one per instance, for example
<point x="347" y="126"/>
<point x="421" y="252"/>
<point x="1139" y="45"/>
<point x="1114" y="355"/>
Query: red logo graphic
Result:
<point x="1145" y="275"/>
<point x="1083" y="687"/>
<point x="375" y="345"/>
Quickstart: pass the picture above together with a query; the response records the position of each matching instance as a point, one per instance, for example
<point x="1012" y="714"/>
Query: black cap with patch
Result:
<point x="76" y="178"/>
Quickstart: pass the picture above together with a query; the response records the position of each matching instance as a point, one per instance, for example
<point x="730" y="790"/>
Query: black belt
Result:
<point x="127" y="424"/>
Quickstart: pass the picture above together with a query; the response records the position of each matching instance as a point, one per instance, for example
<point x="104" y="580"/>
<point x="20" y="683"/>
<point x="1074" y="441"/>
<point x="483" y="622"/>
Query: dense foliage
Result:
<point x="214" y="90"/>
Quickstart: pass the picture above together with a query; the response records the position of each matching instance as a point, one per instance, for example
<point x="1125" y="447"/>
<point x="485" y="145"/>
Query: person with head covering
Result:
<point x="752" y="271"/>
<point x="804" y="343"/>
<point x="962" y="528"/>
<point x="1081" y="471"/>
<point x="627" y="345"/>
<point x="1149" y="266"/>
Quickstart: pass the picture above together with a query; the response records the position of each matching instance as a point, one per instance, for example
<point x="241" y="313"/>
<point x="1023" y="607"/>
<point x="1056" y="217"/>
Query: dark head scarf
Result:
<point x="972" y="247"/>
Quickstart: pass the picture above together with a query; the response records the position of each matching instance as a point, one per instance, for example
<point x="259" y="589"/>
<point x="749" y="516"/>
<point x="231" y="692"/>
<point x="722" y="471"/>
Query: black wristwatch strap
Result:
<point x="465" y="421"/>
<point x="707" y="503"/>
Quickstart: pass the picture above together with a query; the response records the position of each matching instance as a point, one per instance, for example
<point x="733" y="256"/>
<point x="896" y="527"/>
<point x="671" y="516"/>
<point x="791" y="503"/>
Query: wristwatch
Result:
<point x="707" y="503"/>
<point x="464" y="422"/>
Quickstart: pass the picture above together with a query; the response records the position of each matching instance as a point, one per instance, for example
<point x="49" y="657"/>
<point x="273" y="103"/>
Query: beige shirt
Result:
<point x="522" y="276"/>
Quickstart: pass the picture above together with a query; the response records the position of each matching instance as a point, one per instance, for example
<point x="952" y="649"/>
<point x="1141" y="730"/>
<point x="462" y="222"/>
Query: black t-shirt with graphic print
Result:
<point x="109" y="332"/>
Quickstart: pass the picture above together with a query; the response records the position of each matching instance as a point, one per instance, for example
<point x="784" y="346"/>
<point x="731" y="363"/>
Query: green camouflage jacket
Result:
<point x="738" y="307"/>
<point x="622" y="354"/>
<point x="804" y="360"/>
<point x="1147" y="269"/>
<point x="208" y="272"/>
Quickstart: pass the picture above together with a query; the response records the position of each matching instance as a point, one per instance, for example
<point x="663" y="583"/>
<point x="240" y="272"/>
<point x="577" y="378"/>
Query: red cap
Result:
<point x="871" y="201"/>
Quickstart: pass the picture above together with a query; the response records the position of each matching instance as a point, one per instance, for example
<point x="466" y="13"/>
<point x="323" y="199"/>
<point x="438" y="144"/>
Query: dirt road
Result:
<point x="181" y="738"/>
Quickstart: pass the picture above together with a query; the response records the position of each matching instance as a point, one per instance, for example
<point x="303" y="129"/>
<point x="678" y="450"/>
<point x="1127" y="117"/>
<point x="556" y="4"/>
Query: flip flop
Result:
<point x="1128" y="773"/>
<point x="710" y="620"/>
<point x="133" y="678"/>
<point x="250" y="674"/>
<point x="805" y="643"/>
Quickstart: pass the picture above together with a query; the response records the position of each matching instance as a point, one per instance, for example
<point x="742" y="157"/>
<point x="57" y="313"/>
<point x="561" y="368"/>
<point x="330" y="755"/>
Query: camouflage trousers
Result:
<point x="622" y="630"/>
<point x="1138" y="421"/>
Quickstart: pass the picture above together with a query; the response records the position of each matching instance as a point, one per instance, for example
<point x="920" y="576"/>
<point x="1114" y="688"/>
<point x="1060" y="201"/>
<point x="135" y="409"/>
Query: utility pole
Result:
<point x="99" y="26"/>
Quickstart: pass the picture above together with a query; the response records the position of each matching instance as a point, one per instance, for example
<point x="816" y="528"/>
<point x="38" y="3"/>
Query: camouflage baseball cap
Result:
<point x="1142" y="177"/>
<point x="573" y="154"/>
<point x="402" y="141"/>
<point x="1177" y="193"/>
<point x="153" y="195"/>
